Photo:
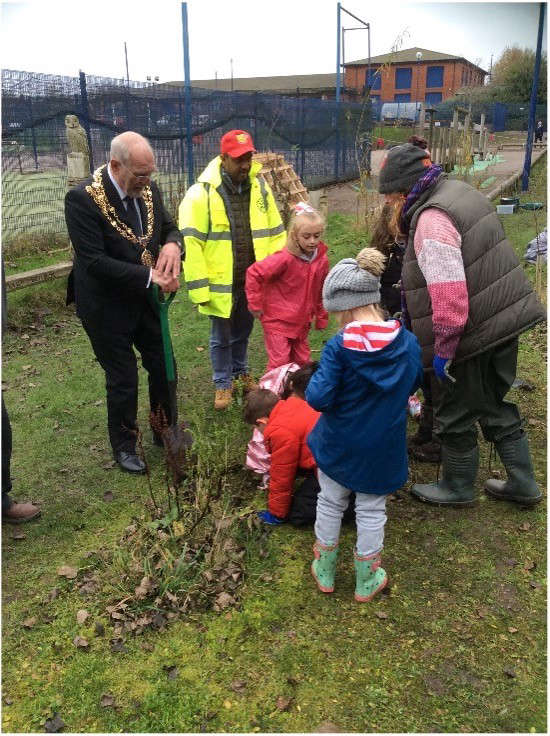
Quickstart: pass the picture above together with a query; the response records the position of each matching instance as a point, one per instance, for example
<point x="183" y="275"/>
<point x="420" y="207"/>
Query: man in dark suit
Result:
<point x="124" y="241"/>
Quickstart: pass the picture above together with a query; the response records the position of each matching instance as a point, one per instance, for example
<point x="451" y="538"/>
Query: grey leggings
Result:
<point x="370" y="516"/>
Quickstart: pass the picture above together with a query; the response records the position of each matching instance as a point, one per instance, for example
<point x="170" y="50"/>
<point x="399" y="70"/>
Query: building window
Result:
<point x="434" y="76"/>
<point x="403" y="78"/>
<point x="432" y="98"/>
<point x="372" y="80"/>
<point x="405" y="97"/>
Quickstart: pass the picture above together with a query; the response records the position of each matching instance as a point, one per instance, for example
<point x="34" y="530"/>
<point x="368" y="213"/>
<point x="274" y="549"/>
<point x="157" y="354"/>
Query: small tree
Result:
<point x="513" y="75"/>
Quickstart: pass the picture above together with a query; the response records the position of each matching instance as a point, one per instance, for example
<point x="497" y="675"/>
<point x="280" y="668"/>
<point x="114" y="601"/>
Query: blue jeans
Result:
<point x="229" y="342"/>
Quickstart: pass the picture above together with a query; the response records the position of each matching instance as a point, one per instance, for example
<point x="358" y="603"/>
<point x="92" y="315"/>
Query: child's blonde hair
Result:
<point x="303" y="213"/>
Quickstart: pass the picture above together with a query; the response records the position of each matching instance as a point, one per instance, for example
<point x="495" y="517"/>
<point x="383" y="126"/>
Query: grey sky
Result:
<point x="261" y="36"/>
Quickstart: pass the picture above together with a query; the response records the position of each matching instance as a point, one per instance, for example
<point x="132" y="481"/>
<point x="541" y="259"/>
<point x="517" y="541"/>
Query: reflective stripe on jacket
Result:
<point x="206" y="228"/>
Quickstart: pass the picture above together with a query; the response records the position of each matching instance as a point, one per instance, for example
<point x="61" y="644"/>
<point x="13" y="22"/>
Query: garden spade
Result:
<point x="177" y="438"/>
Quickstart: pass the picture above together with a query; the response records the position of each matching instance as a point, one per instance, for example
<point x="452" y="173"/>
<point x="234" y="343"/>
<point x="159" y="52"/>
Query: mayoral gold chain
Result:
<point x="96" y="190"/>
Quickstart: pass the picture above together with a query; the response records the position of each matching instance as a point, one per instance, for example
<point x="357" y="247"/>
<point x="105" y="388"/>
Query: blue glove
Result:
<point x="439" y="364"/>
<point x="268" y="518"/>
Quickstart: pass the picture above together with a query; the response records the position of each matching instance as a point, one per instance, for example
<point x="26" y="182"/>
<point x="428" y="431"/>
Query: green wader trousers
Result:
<point x="478" y="395"/>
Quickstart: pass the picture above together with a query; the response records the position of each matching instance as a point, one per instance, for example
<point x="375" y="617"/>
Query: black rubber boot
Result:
<point x="458" y="475"/>
<point x="521" y="486"/>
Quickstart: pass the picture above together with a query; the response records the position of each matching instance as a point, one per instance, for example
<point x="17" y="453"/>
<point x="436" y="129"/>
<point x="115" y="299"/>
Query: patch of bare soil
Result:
<point x="345" y="199"/>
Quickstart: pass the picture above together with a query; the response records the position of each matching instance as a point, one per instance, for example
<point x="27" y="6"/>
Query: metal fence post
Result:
<point x="86" y="114"/>
<point x="33" y="136"/>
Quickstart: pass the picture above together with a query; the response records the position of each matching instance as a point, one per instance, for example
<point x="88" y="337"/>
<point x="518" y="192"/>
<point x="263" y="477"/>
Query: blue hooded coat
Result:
<point x="360" y="439"/>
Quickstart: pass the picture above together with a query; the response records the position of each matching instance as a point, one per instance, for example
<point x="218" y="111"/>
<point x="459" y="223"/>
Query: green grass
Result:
<point x="430" y="656"/>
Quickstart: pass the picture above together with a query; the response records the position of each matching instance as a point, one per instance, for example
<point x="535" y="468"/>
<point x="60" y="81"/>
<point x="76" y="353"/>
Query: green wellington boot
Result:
<point x="370" y="578"/>
<point x="323" y="567"/>
<point x="456" y="486"/>
<point x="521" y="486"/>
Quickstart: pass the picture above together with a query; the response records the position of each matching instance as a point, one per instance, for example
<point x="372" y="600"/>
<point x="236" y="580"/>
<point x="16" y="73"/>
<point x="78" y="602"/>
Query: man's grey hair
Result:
<point x="122" y="145"/>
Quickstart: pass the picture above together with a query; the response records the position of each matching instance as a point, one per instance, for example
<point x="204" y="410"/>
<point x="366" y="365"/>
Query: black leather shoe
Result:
<point x="130" y="462"/>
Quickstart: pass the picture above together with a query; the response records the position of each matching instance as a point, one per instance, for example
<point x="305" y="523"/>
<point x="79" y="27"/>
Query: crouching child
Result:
<point x="285" y="424"/>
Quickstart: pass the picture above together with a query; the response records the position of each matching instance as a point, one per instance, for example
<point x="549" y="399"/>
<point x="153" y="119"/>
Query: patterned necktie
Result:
<point x="132" y="216"/>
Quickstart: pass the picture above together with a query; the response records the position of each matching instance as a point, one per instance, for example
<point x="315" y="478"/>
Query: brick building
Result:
<point x="403" y="76"/>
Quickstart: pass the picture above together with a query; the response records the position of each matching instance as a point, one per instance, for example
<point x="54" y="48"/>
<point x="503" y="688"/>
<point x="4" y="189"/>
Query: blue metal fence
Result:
<point x="319" y="137"/>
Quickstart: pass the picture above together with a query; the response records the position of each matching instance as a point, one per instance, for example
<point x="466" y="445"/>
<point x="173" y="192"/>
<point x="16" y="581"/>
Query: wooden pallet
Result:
<point x="283" y="180"/>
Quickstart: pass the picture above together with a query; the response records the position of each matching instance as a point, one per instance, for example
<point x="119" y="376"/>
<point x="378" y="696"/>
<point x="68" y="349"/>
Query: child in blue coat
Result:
<point x="366" y="374"/>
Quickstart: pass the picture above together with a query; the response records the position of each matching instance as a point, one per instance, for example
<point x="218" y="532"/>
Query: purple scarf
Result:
<point x="425" y="182"/>
<point x="422" y="184"/>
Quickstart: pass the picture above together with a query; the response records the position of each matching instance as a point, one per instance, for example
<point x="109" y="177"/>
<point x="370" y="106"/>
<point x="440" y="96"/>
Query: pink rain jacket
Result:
<point x="288" y="290"/>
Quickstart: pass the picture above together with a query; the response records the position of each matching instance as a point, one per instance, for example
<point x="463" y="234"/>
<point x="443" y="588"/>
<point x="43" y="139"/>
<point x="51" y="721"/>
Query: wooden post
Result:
<point x="481" y="128"/>
<point x="421" y="120"/>
<point x="453" y="140"/>
<point x="432" y="143"/>
<point x="485" y="142"/>
<point x="444" y="150"/>
<point x="431" y="133"/>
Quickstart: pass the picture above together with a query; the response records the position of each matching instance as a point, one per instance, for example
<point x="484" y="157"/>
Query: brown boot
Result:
<point x="19" y="513"/>
<point x="222" y="398"/>
<point x="246" y="382"/>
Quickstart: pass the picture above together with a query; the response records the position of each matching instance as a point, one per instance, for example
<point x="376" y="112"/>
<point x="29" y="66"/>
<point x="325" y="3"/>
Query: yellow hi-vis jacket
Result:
<point x="206" y="230"/>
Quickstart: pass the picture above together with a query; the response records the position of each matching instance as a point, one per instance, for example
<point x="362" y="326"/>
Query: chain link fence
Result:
<point x="318" y="137"/>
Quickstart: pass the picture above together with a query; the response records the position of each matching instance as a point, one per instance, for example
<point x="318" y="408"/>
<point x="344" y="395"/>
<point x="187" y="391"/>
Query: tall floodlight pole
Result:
<point x="187" y="81"/>
<point x="533" y="105"/>
<point x="126" y="59"/>
<point x="338" y="49"/>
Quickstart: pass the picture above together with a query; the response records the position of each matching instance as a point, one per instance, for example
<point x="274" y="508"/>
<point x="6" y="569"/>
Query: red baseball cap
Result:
<point x="236" y="143"/>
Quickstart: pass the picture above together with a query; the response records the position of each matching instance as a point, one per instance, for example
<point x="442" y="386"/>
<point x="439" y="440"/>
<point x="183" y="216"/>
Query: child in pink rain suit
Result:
<point x="284" y="290"/>
<point x="257" y="458"/>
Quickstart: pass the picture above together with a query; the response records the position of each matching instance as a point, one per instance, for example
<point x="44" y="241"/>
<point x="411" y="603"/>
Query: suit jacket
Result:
<point x="108" y="281"/>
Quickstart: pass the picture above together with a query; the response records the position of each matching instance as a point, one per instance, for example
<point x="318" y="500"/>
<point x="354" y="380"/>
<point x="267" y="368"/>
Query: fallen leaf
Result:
<point x="7" y="700"/>
<point x="223" y="600"/>
<point x="26" y="367"/>
<point x="81" y="616"/>
<point x="482" y="611"/>
<point x="227" y="704"/>
<point x="28" y="623"/>
<point x="98" y="402"/>
<point x="283" y="703"/>
<point x="511" y="562"/>
<point x="158" y="621"/>
<point x="108" y="496"/>
<point x="512" y="630"/>
<point x="107" y="700"/>
<point x="54" y="724"/>
<point x="510" y="673"/>
<point x="238" y="685"/>
<point x="534" y="584"/>
<point x="67" y="572"/>
<point x="109" y="465"/>
<point x="18" y="535"/>
<point x="117" y="646"/>
<point x="381" y="614"/>
<point x="293" y="681"/>
<point x="529" y="565"/>
<point x="199" y="349"/>
<point x="327" y="727"/>
<point x="525" y="526"/>
<point x="99" y="629"/>
<point x="145" y="587"/>
<point x="172" y="671"/>
<point x="80" y="642"/>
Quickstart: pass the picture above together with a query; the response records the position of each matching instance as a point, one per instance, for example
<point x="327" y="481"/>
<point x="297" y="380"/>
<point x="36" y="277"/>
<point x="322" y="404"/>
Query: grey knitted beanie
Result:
<point x="401" y="168"/>
<point x="354" y="282"/>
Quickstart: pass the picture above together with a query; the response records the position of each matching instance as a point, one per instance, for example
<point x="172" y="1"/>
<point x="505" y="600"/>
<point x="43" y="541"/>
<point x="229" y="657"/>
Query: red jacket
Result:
<point x="289" y="424"/>
<point x="288" y="290"/>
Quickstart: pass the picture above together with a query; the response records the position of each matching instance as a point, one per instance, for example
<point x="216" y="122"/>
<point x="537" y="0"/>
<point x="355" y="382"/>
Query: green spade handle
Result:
<point x="162" y="305"/>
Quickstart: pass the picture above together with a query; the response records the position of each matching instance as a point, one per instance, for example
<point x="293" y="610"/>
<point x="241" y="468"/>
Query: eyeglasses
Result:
<point x="141" y="178"/>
